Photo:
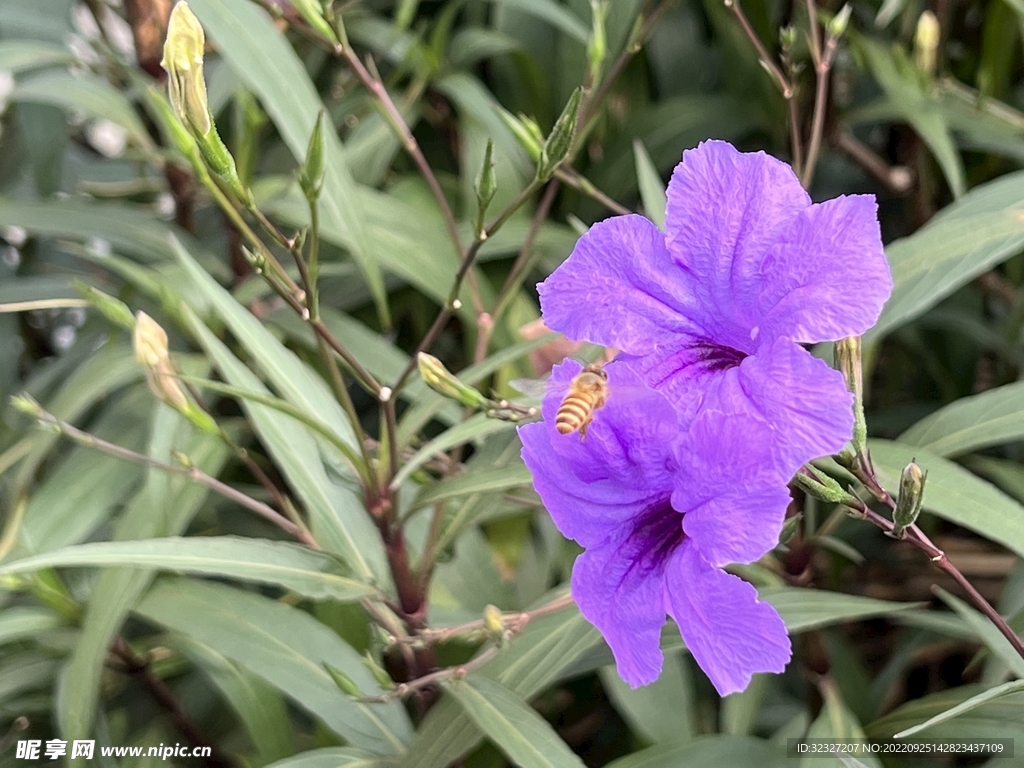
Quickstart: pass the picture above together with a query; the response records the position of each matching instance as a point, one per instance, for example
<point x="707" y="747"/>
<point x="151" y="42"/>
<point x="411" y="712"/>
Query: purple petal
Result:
<point x="735" y="500"/>
<point x="805" y="402"/>
<point x="592" y="484"/>
<point x="827" y="277"/>
<point x="726" y="209"/>
<point x="623" y="597"/>
<point x="620" y="288"/>
<point x="729" y="632"/>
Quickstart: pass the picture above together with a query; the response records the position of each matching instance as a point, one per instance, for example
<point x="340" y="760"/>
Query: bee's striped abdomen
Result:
<point x="574" y="413"/>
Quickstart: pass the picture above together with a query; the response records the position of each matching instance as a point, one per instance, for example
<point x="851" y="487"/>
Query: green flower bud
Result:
<point x="27" y="405"/>
<point x="494" y="620"/>
<point x="345" y="683"/>
<point x="597" y="47"/>
<point x="908" y="505"/>
<point x="821" y="486"/>
<point x="379" y="674"/>
<point x="560" y="140"/>
<point x="526" y="131"/>
<point x="313" y="13"/>
<point x="441" y="380"/>
<point x="311" y="178"/>
<point x="837" y="26"/>
<point x="486" y="185"/>
<point x="790" y="528"/>
<point x="115" y="310"/>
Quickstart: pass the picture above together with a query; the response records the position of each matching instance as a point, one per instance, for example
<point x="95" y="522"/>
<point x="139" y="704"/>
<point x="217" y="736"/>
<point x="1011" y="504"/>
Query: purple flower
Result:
<point x="661" y="502"/>
<point x="718" y="305"/>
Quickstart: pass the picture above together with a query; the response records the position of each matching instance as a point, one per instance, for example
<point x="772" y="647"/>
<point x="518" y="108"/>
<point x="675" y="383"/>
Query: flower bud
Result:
<point x="559" y="142"/>
<point x="313" y="12"/>
<point x="383" y="678"/>
<point x="441" y="380"/>
<point x="183" y="62"/>
<point x="486" y="185"/>
<point x="115" y="310"/>
<point x="849" y="361"/>
<point x="926" y="42"/>
<point x="908" y="505"/>
<point x="821" y="486"/>
<point x="311" y="178"/>
<point x="837" y="26"/>
<point x="345" y="683"/>
<point x="27" y="405"/>
<point x="151" y="350"/>
<point x="597" y="47"/>
<point x="790" y="528"/>
<point x="526" y="131"/>
<point x="494" y="620"/>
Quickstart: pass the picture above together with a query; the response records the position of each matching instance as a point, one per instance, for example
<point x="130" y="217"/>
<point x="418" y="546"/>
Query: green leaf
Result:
<point x="88" y="94"/>
<point x="982" y="229"/>
<point x="25" y="672"/>
<point x="901" y="82"/>
<point x="986" y="631"/>
<point x="164" y="506"/>
<point x="473" y="428"/>
<point x="19" y="55"/>
<point x="554" y="13"/>
<point x="993" y="717"/>
<point x="21" y="622"/>
<point x="662" y="712"/>
<point x="88" y="486"/>
<point x="261" y="708"/>
<point x="290" y="566"/>
<point x="971" y="423"/>
<point x="523" y="735"/>
<point x="709" y="751"/>
<point x="333" y="757"/>
<point x="262" y="58"/>
<point x="337" y="514"/>
<point x="992" y="694"/>
<point x="548" y="648"/>
<point x="652" y="188"/>
<point x="955" y="494"/>
<point x="474" y="481"/>
<point x="836" y="722"/>
<point x="286" y="647"/>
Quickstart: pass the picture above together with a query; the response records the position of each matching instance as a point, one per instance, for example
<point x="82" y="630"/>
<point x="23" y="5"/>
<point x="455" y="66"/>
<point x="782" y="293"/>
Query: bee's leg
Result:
<point x="584" y="425"/>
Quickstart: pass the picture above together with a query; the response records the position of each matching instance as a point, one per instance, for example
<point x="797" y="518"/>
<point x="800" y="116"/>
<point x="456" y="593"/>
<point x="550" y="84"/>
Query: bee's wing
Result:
<point x="534" y="387"/>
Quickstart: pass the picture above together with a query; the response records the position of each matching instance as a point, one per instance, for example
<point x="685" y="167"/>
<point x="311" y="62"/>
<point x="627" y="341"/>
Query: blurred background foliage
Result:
<point x="140" y="607"/>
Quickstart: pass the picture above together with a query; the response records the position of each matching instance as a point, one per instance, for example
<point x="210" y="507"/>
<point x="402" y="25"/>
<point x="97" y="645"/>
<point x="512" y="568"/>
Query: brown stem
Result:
<point x="590" y="105"/>
<point x="523" y="260"/>
<point x="137" y="667"/>
<point x="917" y="537"/>
<point x="580" y="183"/>
<point x="781" y="80"/>
<point x="451" y="304"/>
<point x="426" y="681"/>
<point x="193" y="473"/>
<point x="822" y="67"/>
<point x="514" y="623"/>
<point x="898" y="178"/>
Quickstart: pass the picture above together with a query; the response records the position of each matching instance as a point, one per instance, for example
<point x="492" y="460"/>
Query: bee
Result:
<point x="588" y="391"/>
<point x="584" y="394"/>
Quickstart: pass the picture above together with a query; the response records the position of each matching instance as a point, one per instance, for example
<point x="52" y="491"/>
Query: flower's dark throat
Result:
<point x="656" y="535"/>
<point x="714" y="357"/>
